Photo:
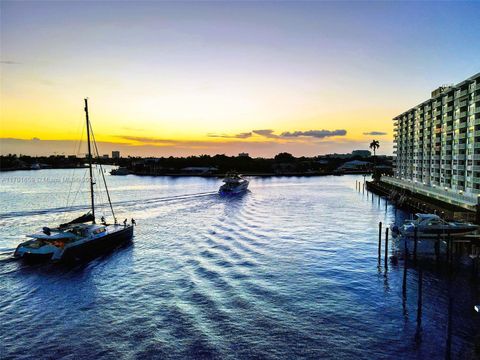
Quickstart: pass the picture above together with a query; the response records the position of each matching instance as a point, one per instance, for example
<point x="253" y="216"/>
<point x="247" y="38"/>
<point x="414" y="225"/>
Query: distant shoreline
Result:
<point x="216" y="175"/>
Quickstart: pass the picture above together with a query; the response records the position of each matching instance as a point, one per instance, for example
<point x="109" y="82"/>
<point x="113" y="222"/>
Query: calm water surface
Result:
<point x="287" y="270"/>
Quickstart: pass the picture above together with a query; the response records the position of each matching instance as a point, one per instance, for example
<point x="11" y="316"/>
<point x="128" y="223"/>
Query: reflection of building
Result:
<point x="115" y="154"/>
<point x="438" y="143"/>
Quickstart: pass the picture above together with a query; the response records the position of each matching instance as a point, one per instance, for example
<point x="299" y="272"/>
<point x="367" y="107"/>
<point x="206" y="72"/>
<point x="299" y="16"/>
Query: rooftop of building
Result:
<point x="447" y="89"/>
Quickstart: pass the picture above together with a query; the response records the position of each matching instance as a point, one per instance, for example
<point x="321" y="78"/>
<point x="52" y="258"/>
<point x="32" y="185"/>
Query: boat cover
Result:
<point x="82" y="219"/>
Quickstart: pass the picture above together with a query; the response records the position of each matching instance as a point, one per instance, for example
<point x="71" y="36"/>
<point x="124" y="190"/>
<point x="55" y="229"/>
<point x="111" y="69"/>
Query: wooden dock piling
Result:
<point x="419" y="298"/>
<point x="405" y="264"/>
<point x="386" y="246"/>
<point x="448" y="354"/>
<point x="379" y="241"/>
<point x="415" y="244"/>
<point x="449" y="249"/>
<point x="437" y="249"/>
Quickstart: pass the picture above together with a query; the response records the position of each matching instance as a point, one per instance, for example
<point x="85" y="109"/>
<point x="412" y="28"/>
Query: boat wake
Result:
<point x="15" y="214"/>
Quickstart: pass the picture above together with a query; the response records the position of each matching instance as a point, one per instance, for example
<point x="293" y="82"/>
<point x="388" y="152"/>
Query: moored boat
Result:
<point x="120" y="171"/>
<point x="431" y="225"/>
<point x="82" y="237"/>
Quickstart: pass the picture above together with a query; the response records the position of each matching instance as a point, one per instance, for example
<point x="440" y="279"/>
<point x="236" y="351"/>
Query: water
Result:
<point x="287" y="270"/>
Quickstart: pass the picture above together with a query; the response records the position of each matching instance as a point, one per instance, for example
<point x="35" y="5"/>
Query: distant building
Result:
<point x="115" y="154"/>
<point x="354" y="153"/>
<point x="361" y="153"/>
<point x="105" y="156"/>
<point x="355" y="165"/>
<point x="242" y="154"/>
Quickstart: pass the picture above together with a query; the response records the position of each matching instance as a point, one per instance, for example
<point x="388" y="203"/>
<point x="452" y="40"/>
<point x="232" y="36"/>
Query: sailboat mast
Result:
<point x="90" y="160"/>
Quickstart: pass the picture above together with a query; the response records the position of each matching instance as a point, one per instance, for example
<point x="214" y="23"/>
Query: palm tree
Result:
<point x="375" y="144"/>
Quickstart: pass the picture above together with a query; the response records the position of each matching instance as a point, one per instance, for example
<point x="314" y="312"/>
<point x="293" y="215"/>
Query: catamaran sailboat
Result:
<point x="81" y="237"/>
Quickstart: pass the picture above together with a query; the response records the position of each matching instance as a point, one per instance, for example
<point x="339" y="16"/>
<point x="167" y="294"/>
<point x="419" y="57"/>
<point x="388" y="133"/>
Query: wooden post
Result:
<point x="415" y="243"/>
<point x="405" y="264"/>
<point x="449" y="249"/>
<point x="448" y="354"/>
<point x="386" y="247"/>
<point x="379" y="241"/>
<point x="419" y="298"/>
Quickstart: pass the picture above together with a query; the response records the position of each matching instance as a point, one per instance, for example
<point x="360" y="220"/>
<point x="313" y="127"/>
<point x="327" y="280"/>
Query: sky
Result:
<point x="189" y="78"/>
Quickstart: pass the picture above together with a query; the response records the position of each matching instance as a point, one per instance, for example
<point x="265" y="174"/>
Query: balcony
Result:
<point x="460" y="94"/>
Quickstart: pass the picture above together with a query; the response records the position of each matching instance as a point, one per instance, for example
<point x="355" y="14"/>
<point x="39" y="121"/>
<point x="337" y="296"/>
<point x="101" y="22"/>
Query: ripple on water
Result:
<point x="289" y="270"/>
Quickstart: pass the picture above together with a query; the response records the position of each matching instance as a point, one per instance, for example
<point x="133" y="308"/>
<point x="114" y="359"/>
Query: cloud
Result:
<point x="319" y="134"/>
<point x="244" y="135"/>
<point x="148" y="140"/>
<point x="9" y="62"/>
<point x="375" y="133"/>
<point x="268" y="133"/>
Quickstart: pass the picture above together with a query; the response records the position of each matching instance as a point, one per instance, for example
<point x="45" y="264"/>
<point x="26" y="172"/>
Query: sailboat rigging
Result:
<point x="77" y="239"/>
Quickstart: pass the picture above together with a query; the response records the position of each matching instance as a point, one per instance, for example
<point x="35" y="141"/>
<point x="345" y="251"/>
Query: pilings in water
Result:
<point x="379" y="241"/>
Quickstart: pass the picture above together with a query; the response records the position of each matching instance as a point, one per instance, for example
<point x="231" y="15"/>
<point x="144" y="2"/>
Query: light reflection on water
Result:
<point x="287" y="270"/>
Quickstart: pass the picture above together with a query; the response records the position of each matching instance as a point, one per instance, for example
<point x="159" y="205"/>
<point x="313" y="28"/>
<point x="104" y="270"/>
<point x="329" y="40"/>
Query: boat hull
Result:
<point x="240" y="189"/>
<point x="92" y="249"/>
<point x="85" y="250"/>
<point x="434" y="233"/>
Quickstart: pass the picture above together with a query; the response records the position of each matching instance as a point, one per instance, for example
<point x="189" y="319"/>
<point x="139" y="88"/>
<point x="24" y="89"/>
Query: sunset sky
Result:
<point x="180" y="78"/>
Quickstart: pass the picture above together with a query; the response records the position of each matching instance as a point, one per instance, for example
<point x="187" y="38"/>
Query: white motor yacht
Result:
<point x="431" y="225"/>
<point x="233" y="184"/>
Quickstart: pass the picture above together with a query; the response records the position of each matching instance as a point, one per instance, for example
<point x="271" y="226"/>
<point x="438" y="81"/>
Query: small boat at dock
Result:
<point x="233" y="184"/>
<point x="120" y="171"/>
<point x="83" y="237"/>
<point x="431" y="225"/>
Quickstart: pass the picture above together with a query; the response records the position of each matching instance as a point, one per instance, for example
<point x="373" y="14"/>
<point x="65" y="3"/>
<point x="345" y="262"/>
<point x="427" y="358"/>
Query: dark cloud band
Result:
<point x="375" y="133"/>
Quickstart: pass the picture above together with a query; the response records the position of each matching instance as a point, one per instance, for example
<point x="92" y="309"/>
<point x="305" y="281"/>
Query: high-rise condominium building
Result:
<point x="437" y="143"/>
